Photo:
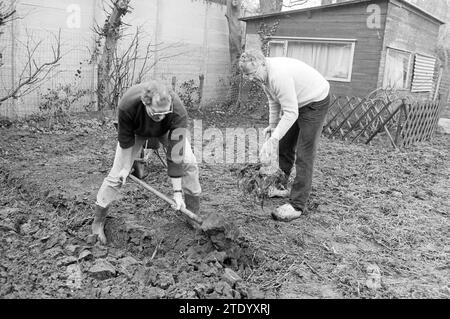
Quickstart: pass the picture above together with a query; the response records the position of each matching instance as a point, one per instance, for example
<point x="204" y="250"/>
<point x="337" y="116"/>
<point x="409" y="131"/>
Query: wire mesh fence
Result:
<point x="44" y="38"/>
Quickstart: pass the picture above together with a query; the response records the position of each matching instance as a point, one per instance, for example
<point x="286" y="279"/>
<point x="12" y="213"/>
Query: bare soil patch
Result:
<point x="371" y="208"/>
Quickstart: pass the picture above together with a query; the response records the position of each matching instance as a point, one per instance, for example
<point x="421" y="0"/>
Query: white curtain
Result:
<point x="301" y="51"/>
<point x="339" y="60"/>
<point x="395" y="74"/>
<point x="276" y="49"/>
<point x="332" y="60"/>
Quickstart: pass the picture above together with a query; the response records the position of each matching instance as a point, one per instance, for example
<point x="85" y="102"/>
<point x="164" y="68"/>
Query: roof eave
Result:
<point x="262" y="16"/>
<point x="421" y="11"/>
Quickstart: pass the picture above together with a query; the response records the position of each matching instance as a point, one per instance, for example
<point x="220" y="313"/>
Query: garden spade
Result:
<point x="211" y="224"/>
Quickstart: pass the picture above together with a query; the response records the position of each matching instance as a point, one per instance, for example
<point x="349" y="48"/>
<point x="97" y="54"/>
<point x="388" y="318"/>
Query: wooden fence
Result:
<point x="402" y="120"/>
<point x="421" y="120"/>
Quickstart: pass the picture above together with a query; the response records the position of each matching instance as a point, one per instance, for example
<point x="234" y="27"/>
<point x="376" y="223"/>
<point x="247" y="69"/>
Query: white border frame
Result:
<point x="352" y="42"/>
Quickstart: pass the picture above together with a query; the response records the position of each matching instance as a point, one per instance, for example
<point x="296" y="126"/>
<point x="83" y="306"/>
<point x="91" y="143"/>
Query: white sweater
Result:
<point x="291" y="84"/>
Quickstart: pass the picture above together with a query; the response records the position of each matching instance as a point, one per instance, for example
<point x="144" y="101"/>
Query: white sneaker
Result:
<point x="286" y="213"/>
<point x="276" y="192"/>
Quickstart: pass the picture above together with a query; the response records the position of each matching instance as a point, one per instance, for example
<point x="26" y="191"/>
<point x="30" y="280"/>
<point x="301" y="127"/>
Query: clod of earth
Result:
<point x="91" y="239"/>
<point x="155" y="293"/>
<point x="218" y="256"/>
<point x="255" y="293"/>
<point x="53" y="252"/>
<point x="223" y="288"/>
<point x="99" y="252"/>
<point x="122" y="232"/>
<point x="255" y="181"/>
<point x="231" y="277"/>
<point x="74" y="276"/>
<point x="128" y="264"/>
<point x="72" y="249"/>
<point x="85" y="255"/>
<point x="214" y="224"/>
<point x="102" y="269"/>
<point x="66" y="261"/>
<point x="164" y="280"/>
<point x="241" y="288"/>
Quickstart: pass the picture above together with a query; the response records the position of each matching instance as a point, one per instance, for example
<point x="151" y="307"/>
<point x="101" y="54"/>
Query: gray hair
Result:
<point x="156" y="92"/>
<point x="251" y="59"/>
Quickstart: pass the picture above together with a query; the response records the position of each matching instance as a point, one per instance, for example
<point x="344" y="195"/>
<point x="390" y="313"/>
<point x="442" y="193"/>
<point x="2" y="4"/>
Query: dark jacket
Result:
<point x="134" y="120"/>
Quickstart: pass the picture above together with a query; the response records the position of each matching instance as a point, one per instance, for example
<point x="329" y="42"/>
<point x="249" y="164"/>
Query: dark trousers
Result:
<point x="299" y="145"/>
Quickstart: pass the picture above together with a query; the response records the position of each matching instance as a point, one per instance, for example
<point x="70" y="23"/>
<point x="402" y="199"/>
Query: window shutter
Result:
<point x="423" y="73"/>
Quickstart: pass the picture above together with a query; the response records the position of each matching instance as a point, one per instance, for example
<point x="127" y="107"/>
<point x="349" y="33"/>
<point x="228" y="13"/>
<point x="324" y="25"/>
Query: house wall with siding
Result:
<point x="408" y="31"/>
<point x="440" y="9"/>
<point x="346" y="22"/>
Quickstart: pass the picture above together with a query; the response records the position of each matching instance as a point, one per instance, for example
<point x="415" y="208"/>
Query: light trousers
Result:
<point x="110" y="189"/>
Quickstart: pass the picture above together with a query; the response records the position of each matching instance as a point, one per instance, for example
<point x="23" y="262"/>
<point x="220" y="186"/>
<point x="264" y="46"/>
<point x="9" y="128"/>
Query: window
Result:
<point x="276" y="48"/>
<point x="333" y="58"/>
<point x="397" y="71"/>
<point x="423" y="73"/>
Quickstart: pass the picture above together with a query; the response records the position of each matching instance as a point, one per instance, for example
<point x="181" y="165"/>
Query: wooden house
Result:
<point x="358" y="45"/>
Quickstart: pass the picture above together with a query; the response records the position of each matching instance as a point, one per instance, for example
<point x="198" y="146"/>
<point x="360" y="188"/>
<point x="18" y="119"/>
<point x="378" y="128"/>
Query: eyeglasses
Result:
<point x="250" y="75"/>
<point x="152" y="113"/>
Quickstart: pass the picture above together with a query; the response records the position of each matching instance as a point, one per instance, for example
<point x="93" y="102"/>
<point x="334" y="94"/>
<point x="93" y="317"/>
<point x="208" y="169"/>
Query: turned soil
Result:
<point x="372" y="207"/>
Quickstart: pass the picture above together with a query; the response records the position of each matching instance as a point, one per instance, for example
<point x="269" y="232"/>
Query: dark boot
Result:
<point x="153" y="143"/>
<point x="193" y="205"/>
<point x="98" y="225"/>
<point x="138" y="170"/>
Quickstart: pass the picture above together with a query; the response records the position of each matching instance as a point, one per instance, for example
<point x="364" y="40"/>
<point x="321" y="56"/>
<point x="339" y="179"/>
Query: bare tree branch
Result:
<point x="293" y="3"/>
<point x="33" y="73"/>
<point x="7" y="13"/>
<point x="133" y="60"/>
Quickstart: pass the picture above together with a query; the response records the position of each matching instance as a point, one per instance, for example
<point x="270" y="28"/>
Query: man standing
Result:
<point x="301" y="94"/>
<point x="150" y="110"/>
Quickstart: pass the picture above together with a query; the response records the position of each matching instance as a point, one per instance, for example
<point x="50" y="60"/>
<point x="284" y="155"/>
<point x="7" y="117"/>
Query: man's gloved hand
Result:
<point x="123" y="174"/>
<point x="269" y="151"/>
<point x="179" y="202"/>
<point x="268" y="132"/>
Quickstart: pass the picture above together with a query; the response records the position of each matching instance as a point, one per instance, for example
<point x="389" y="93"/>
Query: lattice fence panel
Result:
<point x="420" y="123"/>
<point x="382" y="112"/>
<point x="338" y="105"/>
<point x="354" y="118"/>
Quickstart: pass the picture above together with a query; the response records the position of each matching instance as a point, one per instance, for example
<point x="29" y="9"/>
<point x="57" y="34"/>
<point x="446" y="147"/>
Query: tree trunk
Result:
<point x="278" y="5"/>
<point x="270" y="6"/>
<point x="265" y="6"/>
<point x="111" y="32"/>
<point x="235" y="46"/>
